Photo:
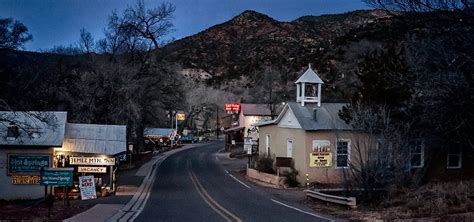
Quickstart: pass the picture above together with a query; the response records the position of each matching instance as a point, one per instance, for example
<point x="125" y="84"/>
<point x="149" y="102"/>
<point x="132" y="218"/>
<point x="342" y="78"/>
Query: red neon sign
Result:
<point x="232" y="107"/>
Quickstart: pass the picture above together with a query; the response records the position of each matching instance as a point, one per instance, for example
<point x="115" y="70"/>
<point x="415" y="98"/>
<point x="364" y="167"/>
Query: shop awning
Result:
<point x="96" y="139"/>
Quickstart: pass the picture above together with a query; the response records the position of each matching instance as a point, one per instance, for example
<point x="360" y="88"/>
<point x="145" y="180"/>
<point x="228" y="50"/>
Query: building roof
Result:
<point x="158" y="131"/>
<point x="35" y="128"/>
<point x="93" y="138"/>
<point x="249" y="109"/>
<point x="310" y="77"/>
<point x="327" y="116"/>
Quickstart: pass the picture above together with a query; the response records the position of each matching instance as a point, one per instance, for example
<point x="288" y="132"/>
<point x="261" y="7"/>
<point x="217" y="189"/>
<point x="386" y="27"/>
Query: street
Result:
<point x="192" y="186"/>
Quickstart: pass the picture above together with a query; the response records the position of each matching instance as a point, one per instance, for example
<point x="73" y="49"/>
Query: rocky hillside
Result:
<point x="252" y="40"/>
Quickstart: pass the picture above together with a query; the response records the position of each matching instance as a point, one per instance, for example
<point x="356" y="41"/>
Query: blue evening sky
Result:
<point x="57" y="22"/>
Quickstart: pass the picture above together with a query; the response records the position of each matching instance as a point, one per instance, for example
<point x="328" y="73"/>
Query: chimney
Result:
<point x="315" y="114"/>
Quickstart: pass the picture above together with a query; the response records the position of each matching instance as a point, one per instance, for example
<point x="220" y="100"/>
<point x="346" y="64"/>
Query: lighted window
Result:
<point x="343" y="153"/>
<point x="416" y="155"/>
<point x="454" y="157"/>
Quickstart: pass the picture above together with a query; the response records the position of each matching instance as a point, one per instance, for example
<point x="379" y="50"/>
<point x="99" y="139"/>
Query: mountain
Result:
<point x="252" y="40"/>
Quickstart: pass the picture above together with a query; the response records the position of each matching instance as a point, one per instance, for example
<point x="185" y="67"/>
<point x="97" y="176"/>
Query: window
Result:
<point x="343" y="153"/>
<point x="416" y="155"/>
<point x="454" y="157"/>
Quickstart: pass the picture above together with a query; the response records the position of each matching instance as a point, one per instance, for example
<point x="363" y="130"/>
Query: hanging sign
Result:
<point x="321" y="155"/>
<point x="92" y="169"/>
<point x="25" y="179"/>
<point x="87" y="187"/>
<point x="27" y="164"/>
<point x="107" y="161"/>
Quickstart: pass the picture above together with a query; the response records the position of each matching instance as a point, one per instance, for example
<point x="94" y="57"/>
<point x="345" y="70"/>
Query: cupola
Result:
<point x="308" y="87"/>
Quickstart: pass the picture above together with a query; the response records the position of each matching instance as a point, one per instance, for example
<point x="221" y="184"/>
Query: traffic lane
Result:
<point x="173" y="196"/>
<point x="246" y="203"/>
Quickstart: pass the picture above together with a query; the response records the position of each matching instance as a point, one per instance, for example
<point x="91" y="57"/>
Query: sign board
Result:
<point x="92" y="169"/>
<point x="25" y="179"/>
<point x="232" y="107"/>
<point x="233" y="142"/>
<point x="27" y="164"/>
<point x="283" y="162"/>
<point x="321" y="155"/>
<point x="130" y="147"/>
<point x="56" y="176"/>
<point x="107" y="161"/>
<point x="181" y="116"/>
<point x="248" y="144"/>
<point x="87" y="187"/>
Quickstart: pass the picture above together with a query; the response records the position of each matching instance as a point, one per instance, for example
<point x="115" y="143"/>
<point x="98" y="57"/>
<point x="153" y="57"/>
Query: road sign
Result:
<point x="56" y="176"/>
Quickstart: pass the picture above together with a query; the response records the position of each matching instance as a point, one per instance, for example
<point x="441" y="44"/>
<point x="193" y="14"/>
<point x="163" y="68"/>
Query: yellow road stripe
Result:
<point x="209" y="200"/>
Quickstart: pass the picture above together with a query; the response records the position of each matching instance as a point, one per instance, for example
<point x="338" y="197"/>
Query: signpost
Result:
<point x="56" y="176"/>
<point x="87" y="186"/>
<point x="248" y="147"/>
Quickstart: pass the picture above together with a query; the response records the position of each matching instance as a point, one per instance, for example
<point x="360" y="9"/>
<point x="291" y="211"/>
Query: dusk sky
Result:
<point x="57" y="22"/>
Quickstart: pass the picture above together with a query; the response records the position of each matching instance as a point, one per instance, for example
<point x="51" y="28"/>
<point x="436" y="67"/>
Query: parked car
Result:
<point x="189" y="139"/>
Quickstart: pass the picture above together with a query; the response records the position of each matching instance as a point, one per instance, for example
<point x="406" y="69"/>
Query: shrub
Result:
<point x="265" y="164"/>
<point x="291" y="180"/>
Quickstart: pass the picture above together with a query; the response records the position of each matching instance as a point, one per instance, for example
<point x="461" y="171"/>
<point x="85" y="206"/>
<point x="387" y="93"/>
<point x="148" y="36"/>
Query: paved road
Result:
<point x="192" y="186"/>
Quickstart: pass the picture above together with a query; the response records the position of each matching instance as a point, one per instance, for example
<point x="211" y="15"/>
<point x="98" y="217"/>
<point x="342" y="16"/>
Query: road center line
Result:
<point x="239" y="181"/>
<point x="209" y="200"/>
<point x="302" y="211"/>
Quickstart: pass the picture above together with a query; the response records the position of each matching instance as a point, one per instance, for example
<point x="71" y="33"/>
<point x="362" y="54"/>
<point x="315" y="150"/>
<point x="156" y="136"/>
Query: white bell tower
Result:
<point x="308" y="87"/>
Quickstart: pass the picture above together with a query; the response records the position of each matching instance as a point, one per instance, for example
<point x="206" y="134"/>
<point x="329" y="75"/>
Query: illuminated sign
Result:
<point x="25" y="179"/>
<point x="180" y="116"/>
<point x="107" y="161"/>
<point x="232" y="107"/>
<point x="321" y="155"/>
<point x="92" y="170"/>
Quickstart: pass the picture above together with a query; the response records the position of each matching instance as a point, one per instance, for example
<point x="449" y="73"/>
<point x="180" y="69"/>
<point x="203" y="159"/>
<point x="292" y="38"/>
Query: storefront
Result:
<point x="93" y="150"/>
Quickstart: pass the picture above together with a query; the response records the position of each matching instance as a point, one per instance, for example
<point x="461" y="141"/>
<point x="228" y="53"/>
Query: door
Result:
<point x="289" y="148"/>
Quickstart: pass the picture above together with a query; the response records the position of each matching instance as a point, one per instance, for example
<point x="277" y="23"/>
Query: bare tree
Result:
<point x="150" y="24"/>
<point x="13" y="34"/>
<point x="86" y="41"/>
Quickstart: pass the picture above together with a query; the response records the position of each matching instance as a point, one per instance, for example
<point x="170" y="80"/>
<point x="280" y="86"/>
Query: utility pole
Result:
<point x="217" y="121"/>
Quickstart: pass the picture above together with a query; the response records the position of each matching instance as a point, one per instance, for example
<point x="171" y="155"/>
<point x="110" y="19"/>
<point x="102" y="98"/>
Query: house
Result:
<point x="249" y="115"/>
<point x="27" y="143"/>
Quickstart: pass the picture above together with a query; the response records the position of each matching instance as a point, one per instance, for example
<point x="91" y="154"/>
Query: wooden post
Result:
<point x="111" y="182"/>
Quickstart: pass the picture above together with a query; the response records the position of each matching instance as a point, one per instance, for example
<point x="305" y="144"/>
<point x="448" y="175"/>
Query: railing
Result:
<point x="349" y="201"/>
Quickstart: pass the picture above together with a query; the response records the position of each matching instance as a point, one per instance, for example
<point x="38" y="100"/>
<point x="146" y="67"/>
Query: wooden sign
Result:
<point x="25" y="179"/>
<point x="105" y="161"/>
<point x="27" y="163"/>
<point x="284" y="162"/>
<point x="92" y="169"/>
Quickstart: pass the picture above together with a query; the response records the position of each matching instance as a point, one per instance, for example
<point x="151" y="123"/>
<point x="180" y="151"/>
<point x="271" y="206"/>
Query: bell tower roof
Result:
<point x="309" y="76"/>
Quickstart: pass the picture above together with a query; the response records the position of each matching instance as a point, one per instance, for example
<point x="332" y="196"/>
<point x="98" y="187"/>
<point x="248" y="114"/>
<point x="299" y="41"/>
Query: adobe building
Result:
<point x="311" y="133"/>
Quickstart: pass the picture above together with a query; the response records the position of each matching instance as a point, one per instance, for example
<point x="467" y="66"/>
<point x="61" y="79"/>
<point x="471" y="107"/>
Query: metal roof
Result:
<point x="35" y="128"/>
<point x="249" y="109"/>
<point x="93" y="138"/>
<point x="310" y="77"/>
<point x="327" y="116"/>
<point x="158" y="131"/>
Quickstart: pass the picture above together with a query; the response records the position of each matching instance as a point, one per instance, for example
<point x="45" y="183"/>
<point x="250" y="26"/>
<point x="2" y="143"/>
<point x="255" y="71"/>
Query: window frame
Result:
<point x="448" y="154"/>
<point x="348" y="153"/>
<point x="421" y="153"/>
